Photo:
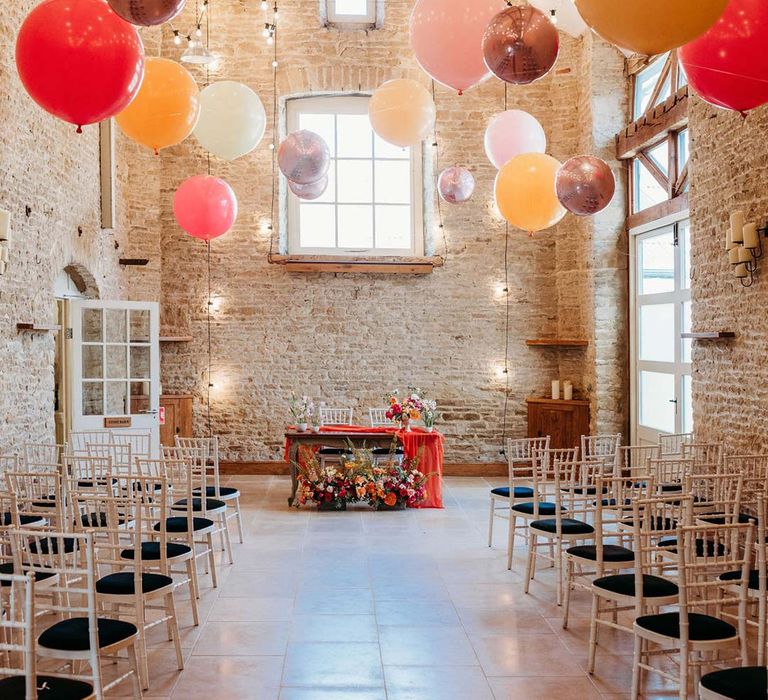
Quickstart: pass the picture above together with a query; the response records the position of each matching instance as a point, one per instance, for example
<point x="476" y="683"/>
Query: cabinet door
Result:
<point x="168" y="429"/>
<point x="184" y="417"/>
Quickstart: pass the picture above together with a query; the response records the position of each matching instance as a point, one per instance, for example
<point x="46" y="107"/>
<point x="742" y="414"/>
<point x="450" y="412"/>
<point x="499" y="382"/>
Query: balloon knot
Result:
<point x="530" y="234"/>
<point x="743" y="115"/>
<point x="157" y="153"/>
<point x="79" y="129"/>
<point x="461" y="92"/>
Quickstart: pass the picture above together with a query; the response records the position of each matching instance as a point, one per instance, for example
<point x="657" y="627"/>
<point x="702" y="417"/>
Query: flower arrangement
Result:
<point x="429" y="413"/>
<point x="302" y="409"/>
<point x="396" y="485"/>
<point x="328" y="487"/>
<point x="404" y="410"/>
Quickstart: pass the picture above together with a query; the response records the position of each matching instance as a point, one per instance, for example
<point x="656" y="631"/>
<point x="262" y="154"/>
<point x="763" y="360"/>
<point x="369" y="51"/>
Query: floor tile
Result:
<point x="333" y="665"/>
<point x="436" y="683"/>
<point x="426" y="646"/>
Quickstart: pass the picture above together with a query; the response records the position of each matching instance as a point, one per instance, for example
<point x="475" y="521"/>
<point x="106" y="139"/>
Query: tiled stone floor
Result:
<point x="365" y="606"/>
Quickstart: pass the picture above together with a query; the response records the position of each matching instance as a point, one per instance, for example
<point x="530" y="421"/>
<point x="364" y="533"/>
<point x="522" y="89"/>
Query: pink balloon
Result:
<point x="511" y="134"/>
<point x="311" y="191"/>
<point x="205" y="206"/>
<point x="447" y="37"/>
<point x="456" y="185"/>
<point x="585" y="185"/>
<point x="303" y="157"/>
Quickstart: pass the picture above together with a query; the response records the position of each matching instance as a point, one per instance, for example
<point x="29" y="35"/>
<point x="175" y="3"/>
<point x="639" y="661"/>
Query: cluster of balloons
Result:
<point x="304" y="159"/>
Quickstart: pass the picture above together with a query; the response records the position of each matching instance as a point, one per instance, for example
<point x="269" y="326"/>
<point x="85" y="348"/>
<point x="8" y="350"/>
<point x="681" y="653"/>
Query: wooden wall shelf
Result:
<point x="175" y="338"/>
<point x="135" y="262"/>
<point x="37" y="327"/>
<point x="557" y="342"/>
<point x="709" y="335"/>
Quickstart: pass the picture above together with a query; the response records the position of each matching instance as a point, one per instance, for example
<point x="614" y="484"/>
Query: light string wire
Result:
<point x="198" y="21"/>
<point x="506" y="322"/>
<point x="436" y="146"/>
<point x="272" y="226"/>
<point x="209" y="305"/>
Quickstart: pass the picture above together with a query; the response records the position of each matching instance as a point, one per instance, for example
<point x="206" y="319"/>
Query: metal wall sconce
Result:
<point x="744" y="245"/>
<point x="5" y="239"/>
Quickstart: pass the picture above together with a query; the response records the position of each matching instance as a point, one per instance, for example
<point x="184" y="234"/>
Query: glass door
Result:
<point x="115" y="366"/>
<point x="661" y="311"/>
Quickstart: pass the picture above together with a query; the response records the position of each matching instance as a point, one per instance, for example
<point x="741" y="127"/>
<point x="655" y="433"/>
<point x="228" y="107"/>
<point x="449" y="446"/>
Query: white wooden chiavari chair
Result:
<point x="520" y="456"/>
<point x="753" y="466"/>
<point x="670" y="473"/>
<point x="611" y="550"/>
<point x="707" y="456"/>
<point x="128" y="585"/>
<point x="653" y="520"/>
<point x="119" y="454"/>
<point x="79" y="634"/>
<point x="716" y="497"/>
<point x="19" y="679"/>
<point x="79" y="440"/>
<point x="691" y="631"/>
<point x="91" y="472"/>
<point x="378" y="417"/>
<point x="574" y="491"/>
<point x="229" y="494"/>
<point x="335" y="416"/>
<point x="601" y="448"/>
<point x="634" y="460"/>
<point x="40" y="496"/>
<point x="139" y="442"/>
<point x="10" y="520"/>
<point x="44" y="455"/>
<point x="671" y="444"/>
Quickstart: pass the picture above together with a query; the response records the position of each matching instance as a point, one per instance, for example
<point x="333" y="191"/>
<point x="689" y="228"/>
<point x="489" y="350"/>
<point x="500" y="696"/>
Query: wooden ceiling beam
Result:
<point x="670" y="115"/>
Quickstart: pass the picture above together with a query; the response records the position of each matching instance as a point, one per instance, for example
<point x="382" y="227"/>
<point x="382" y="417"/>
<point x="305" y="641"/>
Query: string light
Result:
<point x="176" y="37"/>
<point x="553" y="16"/>
<point x="505" y="291"/>
<point x="198" y="31"/>
<point x="264" y="5"/>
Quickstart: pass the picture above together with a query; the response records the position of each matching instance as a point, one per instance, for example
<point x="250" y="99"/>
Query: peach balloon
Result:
<point x="166" y="108"/>
<point x="402" y="112"/>
<point x="650" y="27"/>
<point x="447" y="38"/>
<point x="525" y="192"/>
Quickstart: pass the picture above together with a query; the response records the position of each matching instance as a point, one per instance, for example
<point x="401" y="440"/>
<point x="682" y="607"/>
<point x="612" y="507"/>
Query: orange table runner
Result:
<point x="429" y="447"/>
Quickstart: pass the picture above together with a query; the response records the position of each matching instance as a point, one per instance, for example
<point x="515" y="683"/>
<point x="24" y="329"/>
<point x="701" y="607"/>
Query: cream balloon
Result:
<point x="512" y="133"/>
<point x="232" y="119"/>
<point x="566" y="15"/>
<point x="402" y="112"/>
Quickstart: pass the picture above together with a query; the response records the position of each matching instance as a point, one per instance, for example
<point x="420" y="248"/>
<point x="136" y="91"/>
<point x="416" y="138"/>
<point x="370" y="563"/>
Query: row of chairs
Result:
<point x="691" y="528"/>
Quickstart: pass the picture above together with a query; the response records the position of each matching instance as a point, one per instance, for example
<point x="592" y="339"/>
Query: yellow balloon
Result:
<point x="525" y="192"/>
<point x="402" y="112"/>
<point x="166" y="108"/>
<point x="650" y="26"/>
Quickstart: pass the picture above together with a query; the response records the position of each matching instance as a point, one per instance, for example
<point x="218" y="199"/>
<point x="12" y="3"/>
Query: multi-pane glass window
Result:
<point x="351" y="11"/>
<point x="372" y="205"/>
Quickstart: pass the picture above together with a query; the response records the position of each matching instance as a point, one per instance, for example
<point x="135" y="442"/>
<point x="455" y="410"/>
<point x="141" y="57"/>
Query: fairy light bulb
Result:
<point x="553" y="16"/>
<point x="274" y="64"/>
<point x="264" y="5"/>
<point x="270" y="40"/>
<point x="176" y="37"/>
<point x="198" y="31"/>
<point x="265" y="31"/>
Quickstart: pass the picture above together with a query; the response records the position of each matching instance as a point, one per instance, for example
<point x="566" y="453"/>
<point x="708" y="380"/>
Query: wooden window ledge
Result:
<point x="369" y="265"/>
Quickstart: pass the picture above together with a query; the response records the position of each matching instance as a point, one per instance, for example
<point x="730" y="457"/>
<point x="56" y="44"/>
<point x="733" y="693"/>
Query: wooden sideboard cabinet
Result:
<point x="564" y="421"/>
<point x="178" y="415"/>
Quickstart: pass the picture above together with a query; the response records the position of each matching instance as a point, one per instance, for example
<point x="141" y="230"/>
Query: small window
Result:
<point x="356" y="12"/>
<point x="373" y="203"/>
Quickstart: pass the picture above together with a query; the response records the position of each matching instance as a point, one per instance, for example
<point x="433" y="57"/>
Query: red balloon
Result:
<point x="728" y="65"/>
<point x="205" y="206"/>
<point x="78" y="60"/>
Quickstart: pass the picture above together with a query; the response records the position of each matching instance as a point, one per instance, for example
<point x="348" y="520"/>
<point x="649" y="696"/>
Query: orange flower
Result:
<point x="392" y="400"/>
<point x="390" y="499"/>
<point x="415" y="415"/>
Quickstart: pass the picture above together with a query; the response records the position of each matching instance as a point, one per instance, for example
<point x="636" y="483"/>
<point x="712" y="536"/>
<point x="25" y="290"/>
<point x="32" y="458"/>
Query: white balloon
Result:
<point x="232" y="119"/>
<point x="511" y="134"/>
<point x="568" y="17"/>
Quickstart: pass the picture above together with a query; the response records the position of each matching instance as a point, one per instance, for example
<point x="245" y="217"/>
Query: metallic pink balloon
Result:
<point x="147" y="13"/>
<point x="303" y="157"/>
<point x="520" y="45"/>
<point x="456" y="185"/>
<point x="311" y="191"/>
<point x="585" y="185"/>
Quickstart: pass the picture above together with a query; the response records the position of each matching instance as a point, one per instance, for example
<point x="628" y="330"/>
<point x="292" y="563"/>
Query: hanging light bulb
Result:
<point x="264" y="5"/>
<point x="198" y="31"/>
<point x="265" y="31"/>
<point x="553" y="16"/>
<point x="270" y="40"/>
<point x="274" y="64"/>
<point x="176" y="37"/>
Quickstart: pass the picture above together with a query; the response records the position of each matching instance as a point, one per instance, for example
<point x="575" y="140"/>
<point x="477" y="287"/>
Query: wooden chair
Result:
<point x="707" y="456"/>
<point x="40" y="495"/>
<point x="378" y="417"/>
<point x="671" y="445"/>
<point x="670" y="473"/>
<point x="139" y="442"/>
<point x="79" y="440"/>
<point x="119" y="454"/>
<point x="79" y="635"/>
<point x="753" y="466"/>
<point x="716" y="497"/>
<point x="600" y="447"/>
<point x="19" y="679"/>
<point x="335" y="416"/>
<point x="635" y="459"/>
<point x="44" y="454"/>
<point x="691" y="631"/>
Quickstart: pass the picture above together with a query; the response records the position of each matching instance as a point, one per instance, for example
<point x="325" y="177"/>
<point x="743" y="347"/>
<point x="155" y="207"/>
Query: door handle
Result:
<point x="152" y="411"/>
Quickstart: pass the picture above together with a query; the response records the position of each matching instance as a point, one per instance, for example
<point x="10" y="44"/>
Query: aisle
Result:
<point x="366" y="606"/>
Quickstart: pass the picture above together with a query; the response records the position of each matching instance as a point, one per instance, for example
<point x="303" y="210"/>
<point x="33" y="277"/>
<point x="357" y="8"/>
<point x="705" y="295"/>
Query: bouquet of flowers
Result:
<point x="429" y="413"/>
<point x="393" y="485"/>
<point x="407" y="409"/>
<point x="302" y="409"/>
<point x="328" y="487"/>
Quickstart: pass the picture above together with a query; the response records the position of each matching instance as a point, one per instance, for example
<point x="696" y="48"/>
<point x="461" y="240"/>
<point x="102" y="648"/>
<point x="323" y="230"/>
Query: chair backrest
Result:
<point x="209" y="455"/>
<point x="8" y="463"/>
<point x="707" y="456"/>
<point x="40" y="494"/>
<point x="670" y="473"/>
<point x="716" y="493"/>
<point x="600" y="446"/>
<point x="378" y="416"/>
<point x="44" y="454"/>
<point x="9" y="520"/>
<point x="522" y="455"/>
<point x="139" y="442"/>
<point x="17" y="630"/>
<point x="179" y="475"/>
<point x="555" y="471"/>
<point x="90" y="472"/>
<point x="672" y="444"/>
<point x="335" y="416"/>
<point x="119" y="454"/>
<point x="634" y="459"/>
<point x="753" y="466"/>
<point x="80" y="440"/>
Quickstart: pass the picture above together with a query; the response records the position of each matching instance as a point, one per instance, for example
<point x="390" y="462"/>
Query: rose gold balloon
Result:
<point x="311" y="191"/>
<point x="303" y="157"/>
<point x="520" y="45"/>
<point x="585" y="185"/>
<point x="147" y="13"/>
<point x="456" y="185"/>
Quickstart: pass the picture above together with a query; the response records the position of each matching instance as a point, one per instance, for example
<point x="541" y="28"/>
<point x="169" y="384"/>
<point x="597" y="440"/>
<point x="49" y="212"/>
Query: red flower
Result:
<point x="390" y="499"/>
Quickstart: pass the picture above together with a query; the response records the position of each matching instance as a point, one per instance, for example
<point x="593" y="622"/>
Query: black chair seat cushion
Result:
<point x="611" y="552"/>
<point x="122" y="583"/>
<point x="701" y="628"/>
<point x="51" y="503"/>
<point x="151" y="551"/>
<point x="51" y="545"/>
<point x="88" y="484"/>
<point x="569" y="526"/>
<point x="386" y="451"/>
<point x="745" y="683"/>
<point x="48" y="688"/>
<point x="7" y="569"/>
<point x="332" y="451"/>
<point x="179" y="524"/>
<point x="224" y="492"/>
<point x="670" y="544"/>
<point x="24" y="519"/>
<point x="624" y="584"/>
<point x="754" y="578"/>
<point x="98" y="520"/>
<point x="611" y="502"/>
<point x="520" y="491"/>
<point x="587" y="490"/>
<point x="658" y="523"/>
<point x="671" y="488"/>
<point x="72" y="634"/>
<point x="722" y="519"/>
<point x="545" y="508"/>
<point x="197" y="504"/>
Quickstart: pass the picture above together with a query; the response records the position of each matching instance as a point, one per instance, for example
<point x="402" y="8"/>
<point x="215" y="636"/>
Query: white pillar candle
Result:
<point x="568" y="391"/>
<point x="555" y="388"/>
<point x="737" y="226"/>
<point x="5" y="225"/>
<point x="744" y="255"/>
<point x="751" y="236"/>
<point x="741" y="270"/>
<point x="733" y="255"/>
<point x="728" y="242"/>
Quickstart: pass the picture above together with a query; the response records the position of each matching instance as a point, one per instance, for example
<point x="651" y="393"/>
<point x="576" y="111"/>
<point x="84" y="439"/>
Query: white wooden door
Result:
<point x="115" y="351"/>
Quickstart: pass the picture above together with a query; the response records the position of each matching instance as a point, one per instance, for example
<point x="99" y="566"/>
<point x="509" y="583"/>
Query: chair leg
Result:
<point x="512" y="525"/>
<point x="212" y="560"/>
<point x="567" y="591"/>
<point x="557" y="553"/>
<point x="636" y="670"/>
<point x="593" y="630"/>
<point x="142" y="644"/>
<point x="490" y="522"/>
<point x="194" y="593"/>
<point x="530" y="565"/>
<point x="173" y="629"/>
<point x="135" y="680"/>
<point x="225" y="535"/>
<point x="684" y="669"/>
<point x="239" y="519"/>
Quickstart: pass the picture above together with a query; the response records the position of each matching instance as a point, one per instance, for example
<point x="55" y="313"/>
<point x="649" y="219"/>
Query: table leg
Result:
<point x="293" y="458"/>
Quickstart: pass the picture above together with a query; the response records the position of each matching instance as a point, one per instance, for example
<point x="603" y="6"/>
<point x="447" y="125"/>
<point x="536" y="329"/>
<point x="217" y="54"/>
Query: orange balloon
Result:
<point x="650" y="27"/>
<point x="166" y="108"/>
<point x="402" y="112"/>
<point x="525" y="192"/>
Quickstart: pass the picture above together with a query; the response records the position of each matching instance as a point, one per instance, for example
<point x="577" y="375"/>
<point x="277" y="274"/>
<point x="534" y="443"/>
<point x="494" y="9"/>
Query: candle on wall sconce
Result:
<point x="744" y="245"/>
<point x="751" y="236"/>
<point x="741" y="271"/>
<point x="745" y="255"/>
<point x="555" y="388"/>
<point x="568" y="390"/>
<point x="733" y="255"/>
<point x="737" y="226"/>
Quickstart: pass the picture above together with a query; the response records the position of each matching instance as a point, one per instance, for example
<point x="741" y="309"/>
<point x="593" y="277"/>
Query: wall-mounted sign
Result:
<point x="117" y="421"/>
<point x="162" y="415"/>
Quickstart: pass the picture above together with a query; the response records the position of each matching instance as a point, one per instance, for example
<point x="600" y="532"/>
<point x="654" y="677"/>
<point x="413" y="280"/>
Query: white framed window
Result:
<point x="373" y="205"/>
<point x="350" y="11"/>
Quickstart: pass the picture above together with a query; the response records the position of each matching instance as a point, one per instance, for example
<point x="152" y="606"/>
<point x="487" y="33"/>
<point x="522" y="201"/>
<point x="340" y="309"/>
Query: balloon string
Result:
<point x="208" y="319"/>
<point x="506" y="339"/>
<point x="437" y="168"/>
<point x="274" y="147"/>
